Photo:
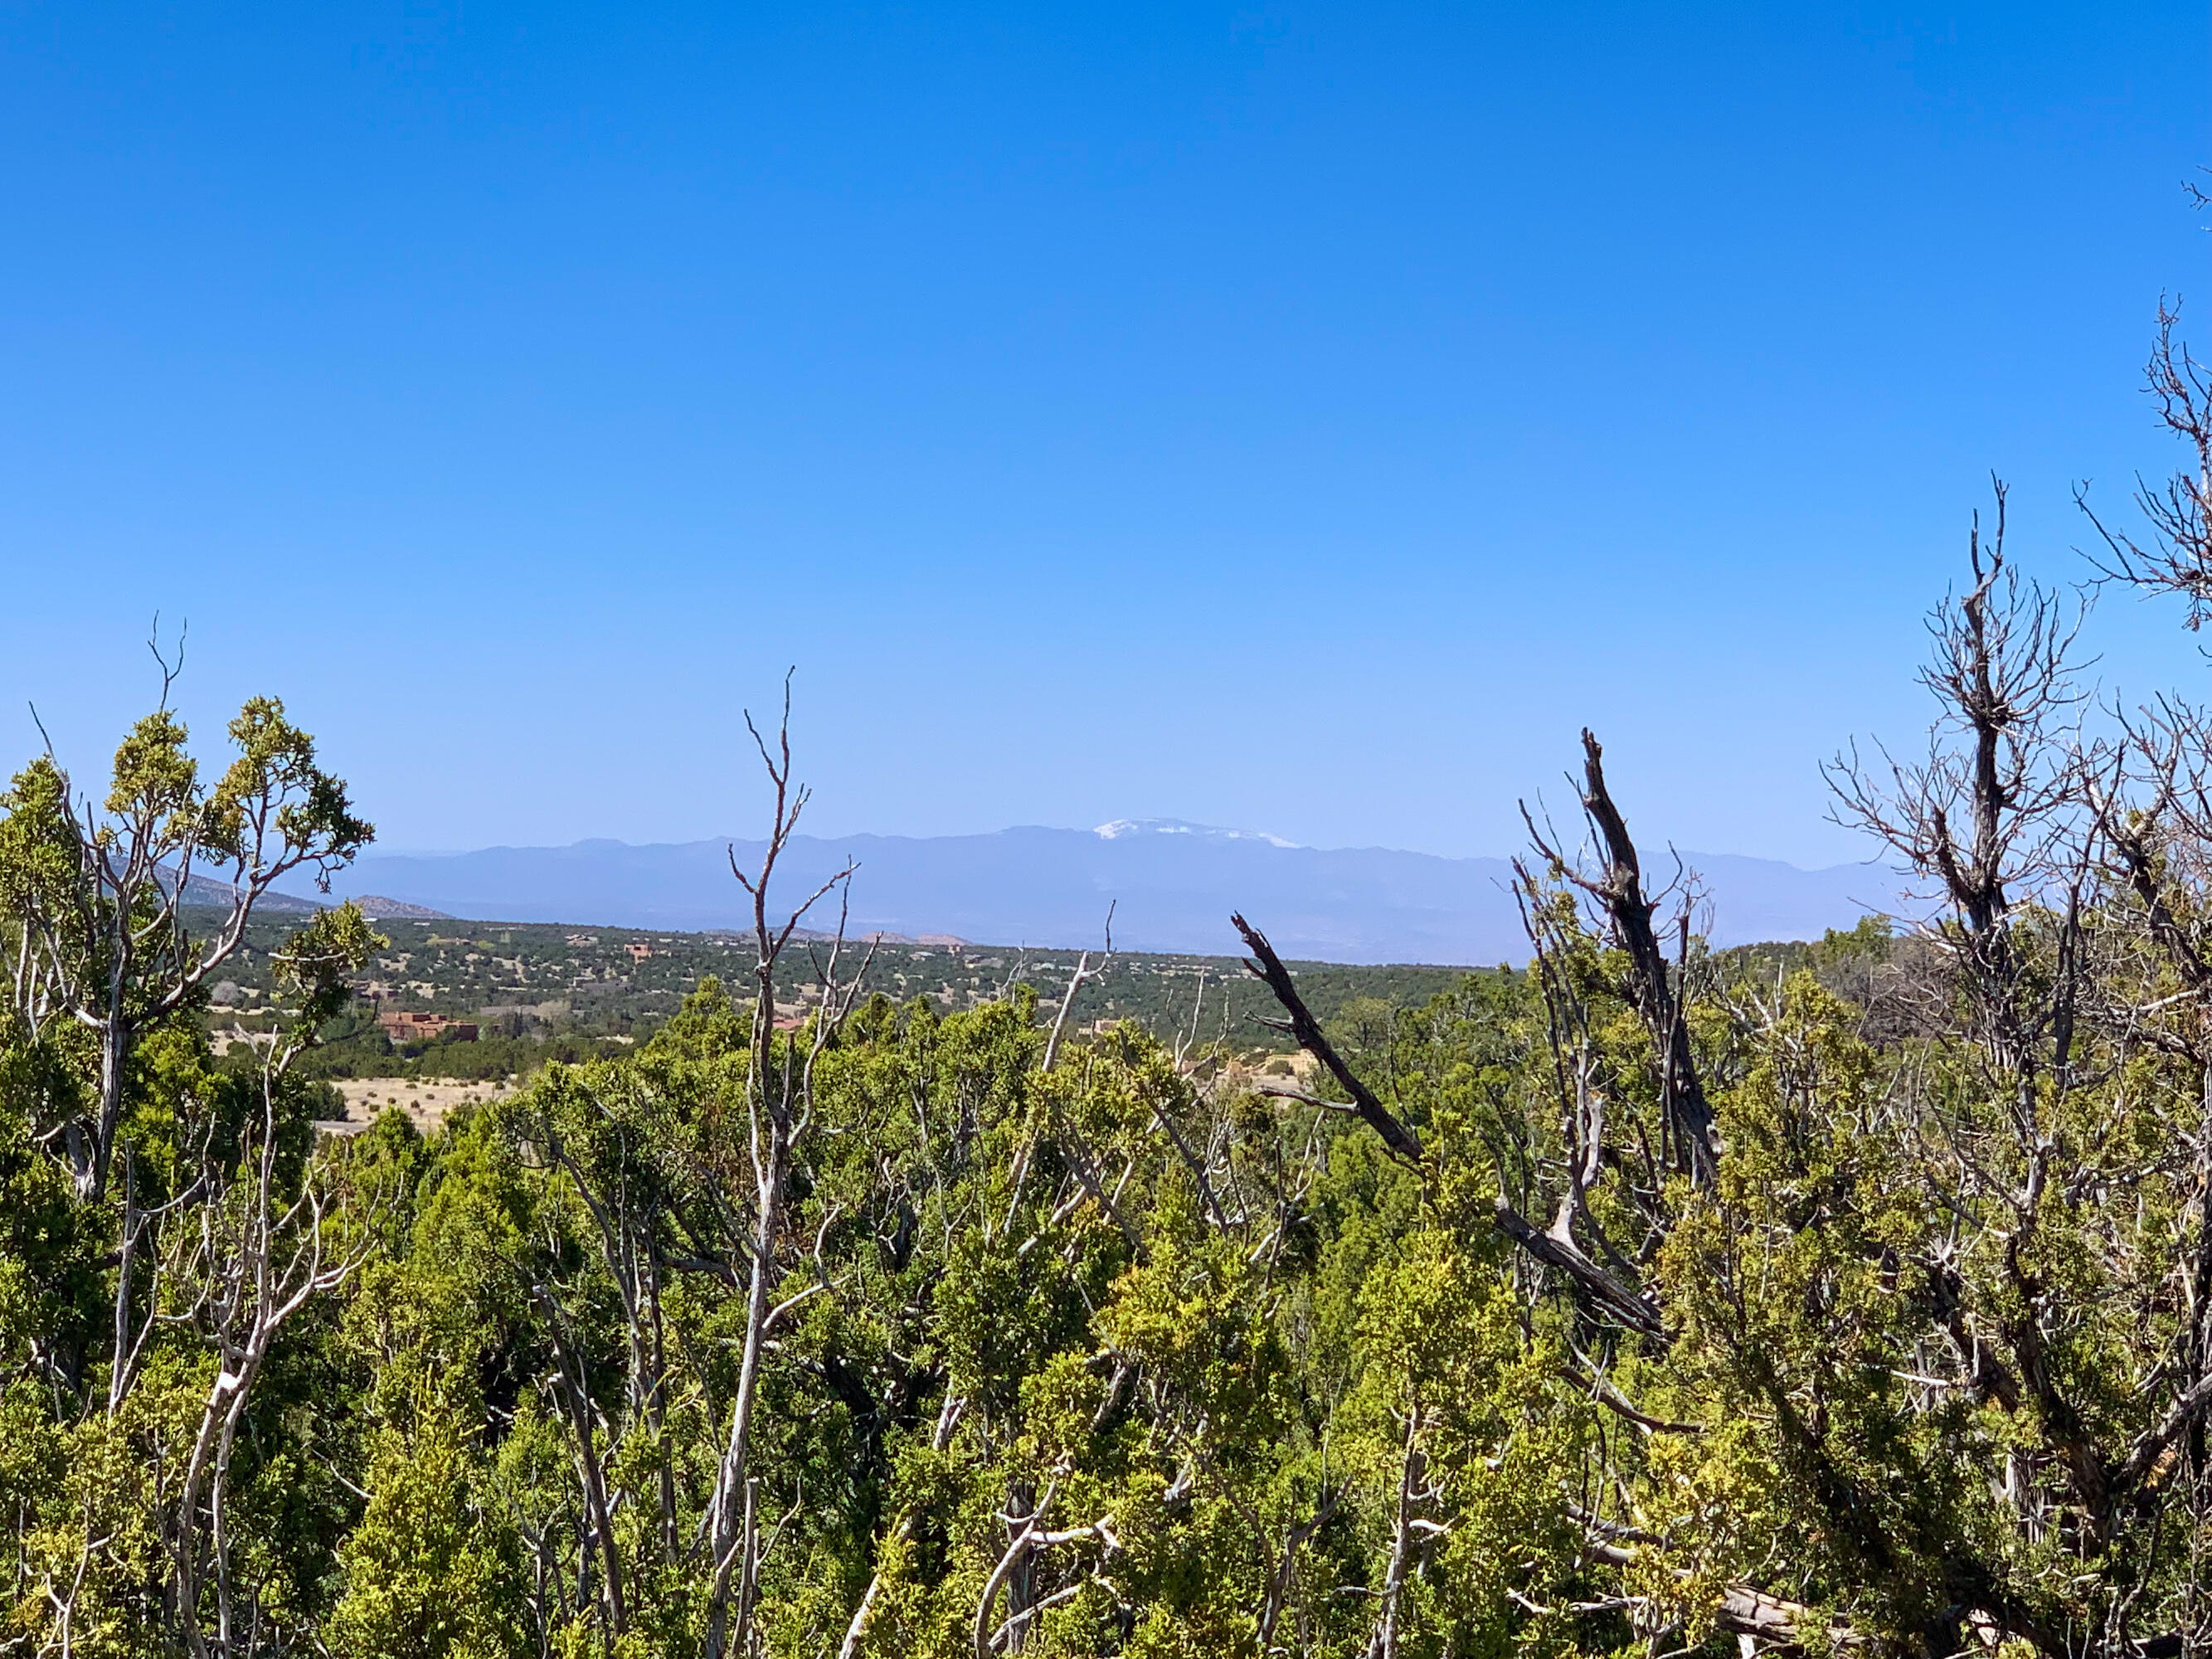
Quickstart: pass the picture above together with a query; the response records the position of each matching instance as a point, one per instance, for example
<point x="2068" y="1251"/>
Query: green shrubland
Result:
<point x="1853" y="1296"/>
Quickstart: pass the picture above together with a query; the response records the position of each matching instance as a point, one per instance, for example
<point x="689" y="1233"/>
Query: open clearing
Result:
<point x="425" y="1100"/>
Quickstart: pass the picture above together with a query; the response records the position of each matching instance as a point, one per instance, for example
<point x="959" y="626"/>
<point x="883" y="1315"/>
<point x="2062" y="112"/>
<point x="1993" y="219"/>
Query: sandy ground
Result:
<point x="426" y="1100"/>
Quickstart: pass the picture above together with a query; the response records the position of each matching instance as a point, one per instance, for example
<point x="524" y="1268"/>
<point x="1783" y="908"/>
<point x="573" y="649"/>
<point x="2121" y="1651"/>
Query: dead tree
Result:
<point x="2173" y="555"/>
<point x="1611" y="1294"/>
<point x="1996" y="809"/>
<point x="1076" y="981"/>
<point x="779" y="1113"/>
<point x="1605" y="1285"/>
<point x="1305" y="1031"/>
<point x="1654" y="991"/>
<point x="1031" y="1539"/>
<point x="1407" y="1529"/>
<point x="258" y="1259"/>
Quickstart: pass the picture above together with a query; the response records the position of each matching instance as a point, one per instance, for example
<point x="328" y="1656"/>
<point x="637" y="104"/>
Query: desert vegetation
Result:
<point x="537" y="992"/>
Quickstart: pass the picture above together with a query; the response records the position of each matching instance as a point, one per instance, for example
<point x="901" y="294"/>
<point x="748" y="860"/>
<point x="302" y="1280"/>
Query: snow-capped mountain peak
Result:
<point x="1123" y="827"/>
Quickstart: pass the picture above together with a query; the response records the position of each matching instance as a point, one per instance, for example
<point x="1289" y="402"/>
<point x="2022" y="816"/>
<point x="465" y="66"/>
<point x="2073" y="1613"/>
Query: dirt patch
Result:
<point x="425" y="1100"/>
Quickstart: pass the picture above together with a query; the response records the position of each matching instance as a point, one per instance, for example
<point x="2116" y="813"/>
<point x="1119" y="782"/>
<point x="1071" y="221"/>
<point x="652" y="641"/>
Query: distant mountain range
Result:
<point x="218" y="895"/>
<point x="1172" y="887"/>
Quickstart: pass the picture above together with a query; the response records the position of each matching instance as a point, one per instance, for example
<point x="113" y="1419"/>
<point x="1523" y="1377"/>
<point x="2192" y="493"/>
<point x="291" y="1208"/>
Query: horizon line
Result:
<point x="1103" y="832"/>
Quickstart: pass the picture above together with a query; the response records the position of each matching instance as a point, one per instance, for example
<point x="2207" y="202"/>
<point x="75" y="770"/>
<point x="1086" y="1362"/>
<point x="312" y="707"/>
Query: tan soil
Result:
<point x="425" y="1100"/>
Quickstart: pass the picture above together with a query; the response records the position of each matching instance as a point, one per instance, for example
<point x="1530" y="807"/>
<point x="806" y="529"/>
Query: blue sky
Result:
<point x="1302" y="418"/>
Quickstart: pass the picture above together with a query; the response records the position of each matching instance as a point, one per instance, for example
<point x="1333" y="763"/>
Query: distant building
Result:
<point x="638" y="949"/>
<point x="404" y="1025"/>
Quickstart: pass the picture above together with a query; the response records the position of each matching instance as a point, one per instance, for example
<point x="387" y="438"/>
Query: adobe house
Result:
<point x="405" y="1025"/>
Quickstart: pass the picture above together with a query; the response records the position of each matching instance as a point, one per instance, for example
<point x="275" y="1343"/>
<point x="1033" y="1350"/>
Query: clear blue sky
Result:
<point x="1298" y="417"/>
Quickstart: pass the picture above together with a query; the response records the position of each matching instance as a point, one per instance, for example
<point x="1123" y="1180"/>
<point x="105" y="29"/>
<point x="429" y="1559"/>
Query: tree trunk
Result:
<point x="728" y="1539"/>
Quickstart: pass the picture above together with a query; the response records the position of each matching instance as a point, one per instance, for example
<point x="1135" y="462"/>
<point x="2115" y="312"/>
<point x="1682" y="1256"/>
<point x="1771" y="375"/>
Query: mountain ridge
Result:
<point x="1171" y="886"/>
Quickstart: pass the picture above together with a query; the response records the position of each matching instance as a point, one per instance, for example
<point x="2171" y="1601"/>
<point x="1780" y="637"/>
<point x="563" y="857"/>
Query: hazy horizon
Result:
<point x="1166" y="888"/>
<point x="379" y="849"/>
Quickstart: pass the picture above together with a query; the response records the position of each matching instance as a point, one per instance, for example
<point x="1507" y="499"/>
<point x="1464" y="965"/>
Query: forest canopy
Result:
<point x="1852" y="1298"/>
